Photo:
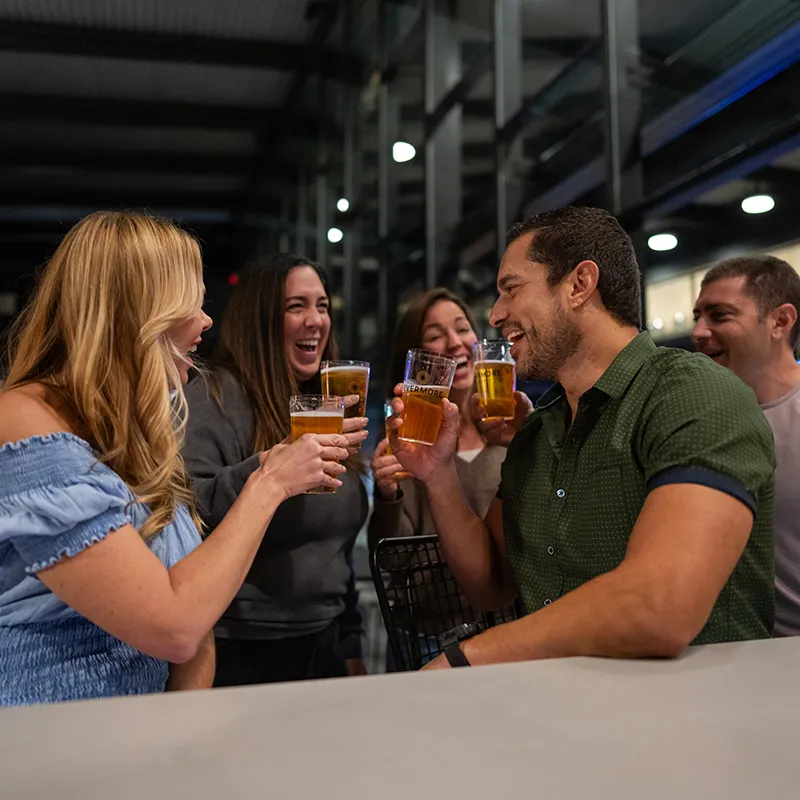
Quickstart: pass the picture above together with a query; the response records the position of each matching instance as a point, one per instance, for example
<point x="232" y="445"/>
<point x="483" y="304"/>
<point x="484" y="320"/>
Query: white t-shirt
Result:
<point x="784" y="417"/>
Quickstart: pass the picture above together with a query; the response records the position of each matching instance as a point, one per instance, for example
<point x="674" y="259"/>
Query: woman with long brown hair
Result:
<point x="297" y="613"/>
<point x="439" y="321"/>
<point x="104" y="581"/>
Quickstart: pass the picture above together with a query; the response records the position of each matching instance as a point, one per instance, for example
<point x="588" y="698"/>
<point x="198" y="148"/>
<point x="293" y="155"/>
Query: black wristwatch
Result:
<point x="450" y="642"/>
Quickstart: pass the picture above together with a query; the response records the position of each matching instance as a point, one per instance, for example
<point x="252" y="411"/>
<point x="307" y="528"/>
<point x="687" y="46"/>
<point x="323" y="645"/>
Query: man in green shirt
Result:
<point x="635" y="512"/>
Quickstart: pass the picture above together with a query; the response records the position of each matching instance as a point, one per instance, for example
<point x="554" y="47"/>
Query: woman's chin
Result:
<point x="464" y="384"/>
<point x="304" y="372"/>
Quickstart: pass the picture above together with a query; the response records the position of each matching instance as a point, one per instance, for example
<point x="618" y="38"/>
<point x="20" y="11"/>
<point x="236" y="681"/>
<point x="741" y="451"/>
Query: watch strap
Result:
<point x="455" y="655"/>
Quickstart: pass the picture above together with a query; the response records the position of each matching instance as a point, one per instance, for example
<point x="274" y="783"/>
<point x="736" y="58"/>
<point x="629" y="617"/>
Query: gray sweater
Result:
<point x="302" y="577"/>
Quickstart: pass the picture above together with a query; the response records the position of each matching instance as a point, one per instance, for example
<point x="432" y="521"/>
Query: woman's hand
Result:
<point x="310" y="461"/>
<point x="500" y="432"/>
<point x="355" y="429"/>
<point x="385" y="468"/>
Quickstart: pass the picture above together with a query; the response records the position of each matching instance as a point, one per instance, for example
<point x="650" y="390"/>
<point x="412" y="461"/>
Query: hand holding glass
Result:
<point x="427" y="383"/>
<point x="313" y="413"/>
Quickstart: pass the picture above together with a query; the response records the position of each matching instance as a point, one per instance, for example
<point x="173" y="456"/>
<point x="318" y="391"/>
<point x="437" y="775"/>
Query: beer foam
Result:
<point x="493" y="361"/>
<point x="343" y="369"/>
<point x="322" y="412"/>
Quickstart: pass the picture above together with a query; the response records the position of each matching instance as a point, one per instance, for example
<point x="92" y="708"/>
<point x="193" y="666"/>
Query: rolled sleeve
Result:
<point x="703" y="426"/>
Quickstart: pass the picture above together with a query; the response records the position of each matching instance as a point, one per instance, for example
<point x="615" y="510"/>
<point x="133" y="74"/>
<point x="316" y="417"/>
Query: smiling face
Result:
<point x="729" y="328"/>
<point x="306" y="322"/>
<point x="185" y="336"/>
<point x="447" y="330"/>
<point x="532" y="315"/>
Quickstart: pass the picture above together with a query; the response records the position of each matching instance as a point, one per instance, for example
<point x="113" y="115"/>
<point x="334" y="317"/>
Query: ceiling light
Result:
<point x="343" y="204"/>
<point x="658" y="323"/>
<point x="758" y="204"/>
<point x="335" y="235"/>
<point x="680" y="317"/>
<point x="403" y="151"/>
<point x="662" y="242"/>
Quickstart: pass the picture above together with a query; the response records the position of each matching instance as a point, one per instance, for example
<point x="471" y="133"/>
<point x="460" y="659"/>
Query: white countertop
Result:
<point x="721" y="722"/>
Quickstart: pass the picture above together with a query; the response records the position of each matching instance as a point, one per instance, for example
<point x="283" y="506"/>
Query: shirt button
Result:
<point x="551" y="550"/>
<point x="547" y="602"/>
<point x="560" y="493"/>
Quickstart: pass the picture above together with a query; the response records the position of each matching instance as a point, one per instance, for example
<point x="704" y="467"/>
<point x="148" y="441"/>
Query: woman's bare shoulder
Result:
<point x="27" y="411"/>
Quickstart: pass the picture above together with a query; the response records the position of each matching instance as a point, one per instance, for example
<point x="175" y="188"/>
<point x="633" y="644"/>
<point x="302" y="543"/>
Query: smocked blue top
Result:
<point x="57" y="499"/>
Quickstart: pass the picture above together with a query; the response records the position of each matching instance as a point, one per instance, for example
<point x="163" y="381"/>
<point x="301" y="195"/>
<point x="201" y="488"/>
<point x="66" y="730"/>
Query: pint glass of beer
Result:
<point x="429" y="377"/>
<point x="347" y="377"/>
<point x="496" y="378"/>
<point x="314" y="413"/>
<point x="388" y="413"/>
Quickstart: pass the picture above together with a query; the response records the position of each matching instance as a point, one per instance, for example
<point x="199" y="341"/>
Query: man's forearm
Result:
<point x="198" y="673"/>
<point x="466" y="542"/>
<point x="612" y="615"/>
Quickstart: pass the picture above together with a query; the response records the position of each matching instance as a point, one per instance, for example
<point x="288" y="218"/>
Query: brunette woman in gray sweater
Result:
<point x="297" y="614"/>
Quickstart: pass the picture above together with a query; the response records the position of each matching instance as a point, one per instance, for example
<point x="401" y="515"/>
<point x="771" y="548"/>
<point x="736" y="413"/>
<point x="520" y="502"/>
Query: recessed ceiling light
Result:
<point x="680" y="317"/>
<point x="343" y="204"/>
<point x="403" y="151"/>
<point x="658" y="323"/>
<point x="662" y="242"/>
<point x="758" y="204"/>
<point x="335" y="235"/>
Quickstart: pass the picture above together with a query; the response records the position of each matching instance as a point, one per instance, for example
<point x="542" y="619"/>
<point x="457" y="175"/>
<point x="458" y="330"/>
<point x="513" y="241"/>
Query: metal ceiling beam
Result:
<point x="136" y="113"/>
<point x="113" y="197"/>
<point x="746" y="76"/>
<point x="133" y="161"/>
<point x="80" y="40"/>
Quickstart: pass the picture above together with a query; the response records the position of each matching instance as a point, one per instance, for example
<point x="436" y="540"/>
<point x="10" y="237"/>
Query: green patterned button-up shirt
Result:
<point x="571" y="494"/>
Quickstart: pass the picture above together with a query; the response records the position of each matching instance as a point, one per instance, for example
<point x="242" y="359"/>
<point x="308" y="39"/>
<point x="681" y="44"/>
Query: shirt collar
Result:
<point x="551" y="396"/>
<point x="616" y="379"/>
<point x="622" y="370"/>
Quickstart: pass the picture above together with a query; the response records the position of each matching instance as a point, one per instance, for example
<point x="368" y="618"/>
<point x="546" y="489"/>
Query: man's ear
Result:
<point x="583" y="283"/>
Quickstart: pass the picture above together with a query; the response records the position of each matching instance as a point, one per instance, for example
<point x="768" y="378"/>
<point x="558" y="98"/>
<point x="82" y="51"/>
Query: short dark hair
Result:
<point x="770" y="281"/>
<point x="566" y="236"/>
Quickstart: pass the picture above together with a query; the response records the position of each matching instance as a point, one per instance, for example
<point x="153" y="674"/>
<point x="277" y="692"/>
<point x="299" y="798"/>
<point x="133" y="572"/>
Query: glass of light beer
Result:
<point x="344" y="378"/>
<point x="496" y="377"/>
<point x="388" y="413"/>
<point x="429" y="377"/>
<point x="315" y="413"/>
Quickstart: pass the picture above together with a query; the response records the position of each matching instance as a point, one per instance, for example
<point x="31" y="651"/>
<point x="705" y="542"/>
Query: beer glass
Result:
<point x="496" y="378"/>
<point x="388" y="413"/>
<point x="429" y="377"/>
<point x="315" y="413"/>
<point x="347" y="377"/>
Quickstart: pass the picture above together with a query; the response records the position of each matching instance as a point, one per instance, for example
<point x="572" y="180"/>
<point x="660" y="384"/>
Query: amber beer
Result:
<point x="429" y="377"/>
<point x="319" y="414"/>
<point x="496" y="378"/>
<point x="496" y="384"/>
<point x="388" y="412"/>
<point x="347" y="377"/>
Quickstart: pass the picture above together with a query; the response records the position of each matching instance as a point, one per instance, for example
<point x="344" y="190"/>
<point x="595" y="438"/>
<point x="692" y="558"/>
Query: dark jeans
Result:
<point x="242" y="662"/>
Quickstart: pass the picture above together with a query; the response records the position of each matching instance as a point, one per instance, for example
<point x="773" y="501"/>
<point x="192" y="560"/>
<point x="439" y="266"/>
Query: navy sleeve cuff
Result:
<point x="703" y="477"/>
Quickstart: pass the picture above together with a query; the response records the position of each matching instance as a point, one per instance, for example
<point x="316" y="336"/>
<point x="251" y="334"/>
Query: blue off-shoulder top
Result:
<point x="56" y="499"/>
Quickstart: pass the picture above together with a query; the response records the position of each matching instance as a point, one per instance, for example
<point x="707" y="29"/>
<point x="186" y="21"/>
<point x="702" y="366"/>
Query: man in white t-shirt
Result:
<point x="746" y="318"/>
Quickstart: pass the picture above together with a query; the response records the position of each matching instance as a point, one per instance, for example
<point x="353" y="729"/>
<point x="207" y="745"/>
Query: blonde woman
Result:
<point x="104" y="582"/>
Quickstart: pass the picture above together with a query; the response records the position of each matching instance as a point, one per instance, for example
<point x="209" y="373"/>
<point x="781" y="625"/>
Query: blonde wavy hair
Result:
<point x="96" y="331"/>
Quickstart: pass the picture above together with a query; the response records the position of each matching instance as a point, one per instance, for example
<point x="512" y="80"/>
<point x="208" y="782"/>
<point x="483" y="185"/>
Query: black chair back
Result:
<point x="420" y="599"/>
